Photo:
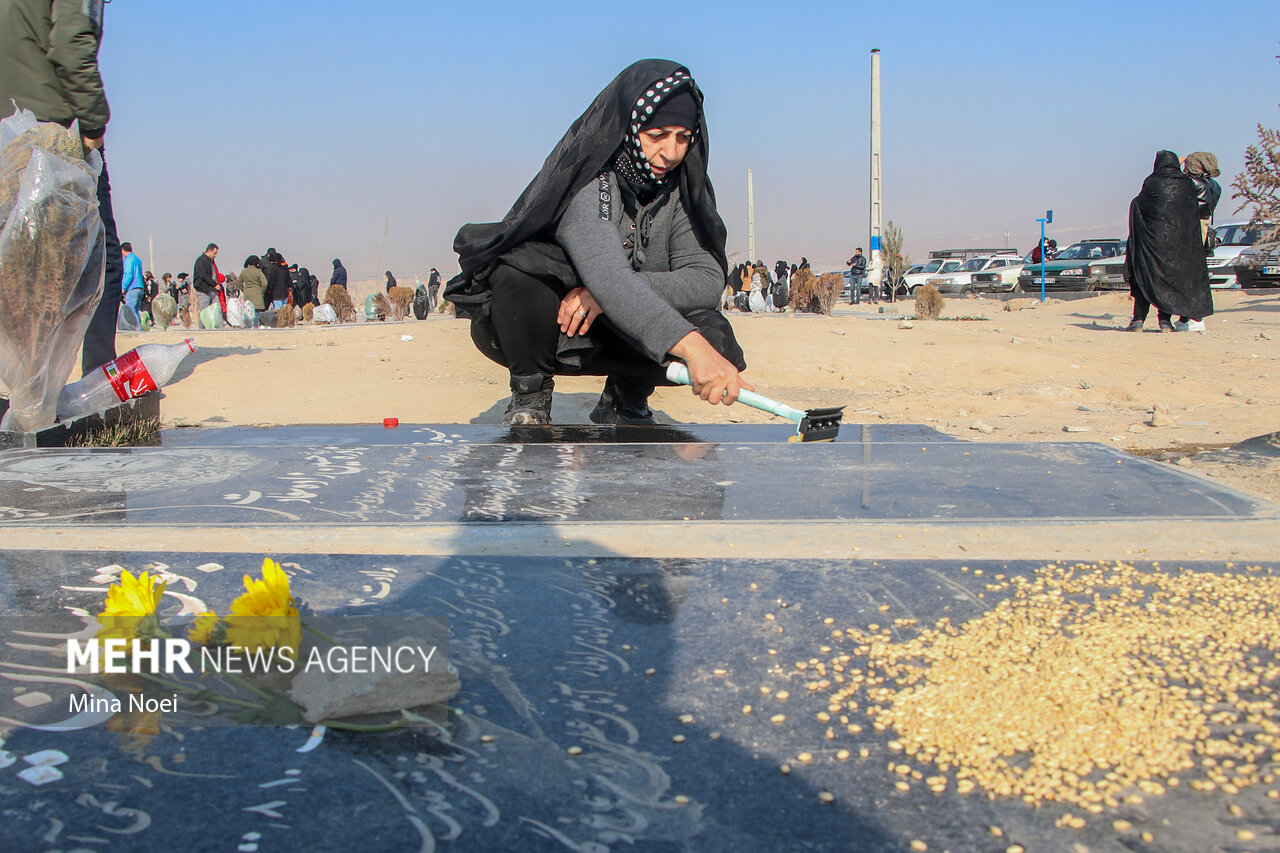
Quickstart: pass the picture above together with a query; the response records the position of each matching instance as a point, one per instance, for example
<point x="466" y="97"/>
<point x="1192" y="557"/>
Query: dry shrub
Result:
<point x="928" y="303"/>
<point x="308" y="311"/>
<point x="163" y="309"/>
<point x="401" y="299"/>
<point x="185" y="314"/>
<point x="830" y="284"/>
<point x="804" y="286"/>
<point x="815" y="295"/>
<point x="286" y="317"/>
<point x="338" y="297"/>
<point x="382" y="305"/>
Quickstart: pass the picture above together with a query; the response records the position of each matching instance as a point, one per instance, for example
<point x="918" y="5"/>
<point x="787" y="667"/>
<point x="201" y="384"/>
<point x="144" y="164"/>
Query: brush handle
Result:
<point x="678" y="373"/>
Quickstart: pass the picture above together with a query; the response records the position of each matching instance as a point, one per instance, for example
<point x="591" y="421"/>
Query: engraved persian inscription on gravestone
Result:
<point x="607" y="482"/>
<point x="357" y="434"/>
<point x="603" y="707"/>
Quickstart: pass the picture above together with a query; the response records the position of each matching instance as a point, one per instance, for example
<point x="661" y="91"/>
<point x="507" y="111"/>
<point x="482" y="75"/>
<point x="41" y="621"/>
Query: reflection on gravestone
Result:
<point x="603" y="706"/>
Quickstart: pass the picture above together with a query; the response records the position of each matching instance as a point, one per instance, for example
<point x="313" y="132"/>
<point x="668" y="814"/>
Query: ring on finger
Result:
<point x="581" y="313"/>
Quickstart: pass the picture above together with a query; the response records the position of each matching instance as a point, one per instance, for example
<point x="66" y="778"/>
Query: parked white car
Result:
<point x="931" y="268"/>
<point x="1236" y="238"/>
<point x="964" y="279"/>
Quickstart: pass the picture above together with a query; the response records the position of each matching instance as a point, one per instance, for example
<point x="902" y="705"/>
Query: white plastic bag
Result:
<point x="325" y="314"/>
<point x="235" y="312"/>
<point x="51" y="262"/>
<point x="756" y="301"/>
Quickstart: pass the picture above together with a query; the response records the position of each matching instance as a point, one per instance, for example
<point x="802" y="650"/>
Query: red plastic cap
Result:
<point x="191" y="345"/>
<point x="391" y="423"/>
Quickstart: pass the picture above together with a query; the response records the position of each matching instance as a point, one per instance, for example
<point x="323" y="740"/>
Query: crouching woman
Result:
<point x="611" y="262"/>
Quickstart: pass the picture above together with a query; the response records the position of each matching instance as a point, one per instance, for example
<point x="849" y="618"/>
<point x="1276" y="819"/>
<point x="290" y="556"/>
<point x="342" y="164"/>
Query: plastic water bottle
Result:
<point x="133" y="374"/>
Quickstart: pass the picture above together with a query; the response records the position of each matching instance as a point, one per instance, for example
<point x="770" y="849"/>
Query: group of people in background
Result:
<point x="754" y="288"/>
<point x="267" y="282"/>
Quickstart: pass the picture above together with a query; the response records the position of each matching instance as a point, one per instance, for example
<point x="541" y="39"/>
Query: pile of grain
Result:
<point x="1085" y="684"/>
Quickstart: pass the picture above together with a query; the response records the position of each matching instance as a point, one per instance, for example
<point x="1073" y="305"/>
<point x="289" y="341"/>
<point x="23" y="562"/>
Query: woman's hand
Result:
<point x="714" y="377"/>
<point x="578" y="310"/>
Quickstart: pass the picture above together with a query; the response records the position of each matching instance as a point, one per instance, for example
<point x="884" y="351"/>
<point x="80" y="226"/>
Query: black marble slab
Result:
<point x="604" y="657"/>
<point x="435" y="434"/>
<point x="371" y="484"/>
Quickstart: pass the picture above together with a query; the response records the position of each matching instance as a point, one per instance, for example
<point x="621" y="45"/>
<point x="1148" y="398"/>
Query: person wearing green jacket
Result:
<point x="49" y="65"/>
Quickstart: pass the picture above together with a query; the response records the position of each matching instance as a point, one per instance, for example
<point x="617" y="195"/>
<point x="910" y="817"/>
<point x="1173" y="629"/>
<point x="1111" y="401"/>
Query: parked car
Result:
<point x="1107" y="274"/>
<point x="1235" y="252"/>
<point x="1069" y="269"/>
<point x="1002" y="279"/>
<point x="962" y="280"/>
<point x="916" y="280"/>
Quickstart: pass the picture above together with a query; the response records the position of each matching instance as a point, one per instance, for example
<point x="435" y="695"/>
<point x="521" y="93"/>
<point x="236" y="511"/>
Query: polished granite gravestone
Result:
<point x="602" y="652"/>
<point x="413" y="434"/>
<point x="641" y="667"/>
<point x="450" y="481"/>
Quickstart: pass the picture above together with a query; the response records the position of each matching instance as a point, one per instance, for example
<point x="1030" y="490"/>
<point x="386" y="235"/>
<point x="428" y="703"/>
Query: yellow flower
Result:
<point x="207" y="630"/>
<point x="265" y="614"/>
<point x="131" y="608"/>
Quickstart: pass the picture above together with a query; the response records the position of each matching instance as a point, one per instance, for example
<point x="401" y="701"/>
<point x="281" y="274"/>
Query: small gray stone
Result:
<point x="1017" y="340"/>
<point x="1185" y="462"/>
<point x="1234" y="392"/>
<point x="1073" y="428"/>
<point x="906" y="324"/>
<point x="982" y="427"/>
<point x="1161" y="419"/>
<point x="1160" y="407"/>
<point x="325" y="694"/>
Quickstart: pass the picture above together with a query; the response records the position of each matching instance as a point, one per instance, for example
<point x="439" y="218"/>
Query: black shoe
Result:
<point x="624" y="401"/>
<point x="1134" y="326"/>
<point x="530" y="400"/>
<point x="1166" y="327"/>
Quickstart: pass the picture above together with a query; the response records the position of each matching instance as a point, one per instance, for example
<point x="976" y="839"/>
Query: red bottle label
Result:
<point x="128" y="376"/>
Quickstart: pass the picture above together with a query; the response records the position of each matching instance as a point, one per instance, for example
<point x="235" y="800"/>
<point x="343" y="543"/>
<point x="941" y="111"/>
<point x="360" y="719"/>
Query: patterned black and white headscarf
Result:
<point x="631" y="162"/>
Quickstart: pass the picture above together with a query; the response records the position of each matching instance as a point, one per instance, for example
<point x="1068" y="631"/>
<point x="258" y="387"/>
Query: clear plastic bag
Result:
<point x="325" y="314"/>
<point x="52" y="246"/>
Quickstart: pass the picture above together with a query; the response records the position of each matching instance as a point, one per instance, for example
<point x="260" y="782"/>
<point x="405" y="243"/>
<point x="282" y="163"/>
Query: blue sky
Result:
<point x="375" y="130"/>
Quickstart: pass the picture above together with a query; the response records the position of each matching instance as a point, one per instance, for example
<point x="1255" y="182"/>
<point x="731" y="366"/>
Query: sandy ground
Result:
<point x="989" y="370"/>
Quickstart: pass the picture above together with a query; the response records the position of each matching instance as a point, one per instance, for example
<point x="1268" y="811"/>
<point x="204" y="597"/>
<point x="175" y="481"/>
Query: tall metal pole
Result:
<point x="751" y="220"/>
<point x="876" y="265"/>
<point x="151" y="251"/>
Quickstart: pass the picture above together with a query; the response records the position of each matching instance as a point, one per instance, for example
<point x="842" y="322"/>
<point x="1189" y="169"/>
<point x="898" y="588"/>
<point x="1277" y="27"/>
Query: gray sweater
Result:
<point x="678" y="276"/>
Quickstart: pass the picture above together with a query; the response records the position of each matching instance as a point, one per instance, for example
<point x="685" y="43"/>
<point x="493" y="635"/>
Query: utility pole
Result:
<point x="876" y="265"/>
<point x="151" y="252"/>
<point x="751" y="220"/>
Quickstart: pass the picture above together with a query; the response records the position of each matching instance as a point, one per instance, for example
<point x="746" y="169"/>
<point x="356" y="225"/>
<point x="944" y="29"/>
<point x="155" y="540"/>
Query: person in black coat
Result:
<point x="277" y="278"/>
<point x="433" y="288"/>
<point x="1165" y="262"/>
<point x="339" y="276"/>
<point x="391" y="281"/>
<point x="305" y="291"/>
